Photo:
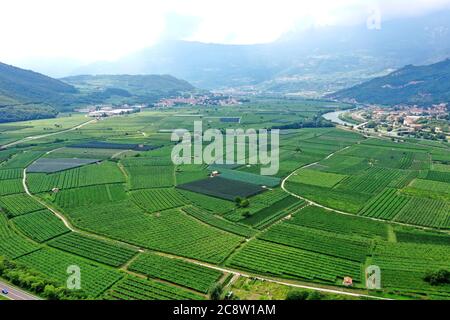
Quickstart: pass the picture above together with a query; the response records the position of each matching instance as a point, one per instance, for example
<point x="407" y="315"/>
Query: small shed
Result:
<point x="348" y="282"/>
<point x="215" y="174"/>
<point x="55" y="190"/>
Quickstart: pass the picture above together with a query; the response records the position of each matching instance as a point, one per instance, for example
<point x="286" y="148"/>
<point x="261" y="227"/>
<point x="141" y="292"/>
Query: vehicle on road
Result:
<point x="5" y="291"/>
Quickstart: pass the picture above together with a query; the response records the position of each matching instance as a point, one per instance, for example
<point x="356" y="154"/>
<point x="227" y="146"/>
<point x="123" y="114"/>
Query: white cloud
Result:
<point x="91" y="30"/>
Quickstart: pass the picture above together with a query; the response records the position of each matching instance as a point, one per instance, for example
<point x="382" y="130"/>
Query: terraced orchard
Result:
<point x="177" y="271"/>
<point x="142" y="227"/>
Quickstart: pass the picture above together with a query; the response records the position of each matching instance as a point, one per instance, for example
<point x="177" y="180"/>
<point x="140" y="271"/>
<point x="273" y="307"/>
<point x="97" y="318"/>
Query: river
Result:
<point x="334" y="117"/>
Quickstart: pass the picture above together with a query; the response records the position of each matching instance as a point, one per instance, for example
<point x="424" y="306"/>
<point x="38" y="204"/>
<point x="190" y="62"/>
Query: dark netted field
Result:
<point x="223" y="188"/>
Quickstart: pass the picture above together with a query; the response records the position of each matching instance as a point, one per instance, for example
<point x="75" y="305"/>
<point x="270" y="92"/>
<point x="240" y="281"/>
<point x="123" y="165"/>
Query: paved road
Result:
<point x="16" y="293"/>
<point x="32" y="138"/>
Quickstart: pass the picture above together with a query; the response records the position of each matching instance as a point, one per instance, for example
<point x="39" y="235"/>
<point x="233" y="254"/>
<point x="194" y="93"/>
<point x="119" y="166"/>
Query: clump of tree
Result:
<point x="436" y="278"/>
<point x="315" y="122"/>
<point x="304" y="295"/>
<point x="216" y="292"/>
<point x="242" y="203"/>
<point x="21" y="276"/>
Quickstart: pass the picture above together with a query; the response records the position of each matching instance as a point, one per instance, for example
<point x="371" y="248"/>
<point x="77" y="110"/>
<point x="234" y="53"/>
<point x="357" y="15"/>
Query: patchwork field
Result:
<point x="132" y="288"/>
<point x="149" y="229"/>
<point x="94" y="249"/>
<point x="97" y="174"/>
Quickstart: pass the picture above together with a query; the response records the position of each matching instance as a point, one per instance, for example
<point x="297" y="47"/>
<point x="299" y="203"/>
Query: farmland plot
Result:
<point x="8" y="174"/>
<point x="146" y="177"/>
<point x="93" y="249"/>
<point x="177" y="271"/>
<point x="428" y="189"/>
<point x="18" y="204"/>
<point x="347" y="200"/>
<point x="317" y="178"/>
<point x="153" y="200"/>
<point x="104" y="173"/>
<point x="40" y="226"/>
<point x="133" y="288"/>
<point x="21" y="160"/>
<point x="329" y="221"/>
<point x="78" y="197"/>
<point x="257" y="205"/>
<point x="345" y="165"/>
<point x="438" y="176"/>
<point x="278" y="210"/>
<point x="372" y="181"/>
<point x="170" y="231"/>
<point x="385" y="205"/>
<point x="53" y="263"/>
<point x="12" y="245"/>
<point x="219" y="223"/>
<point x="421" y="237"/>
<point x="404" y="266"/>
<point x="215" y="205"/>
<point x="8" y="187"/>
<point x="344" y="247"/>
<point x="189" y="173"/>
<point x="283" y="261"/>
<point x="433" y="186"/>
<point x="425" y="212"/>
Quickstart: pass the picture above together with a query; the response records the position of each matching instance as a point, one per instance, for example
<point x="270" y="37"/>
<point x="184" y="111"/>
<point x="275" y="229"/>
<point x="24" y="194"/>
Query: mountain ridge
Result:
<point x="410" y="85"/>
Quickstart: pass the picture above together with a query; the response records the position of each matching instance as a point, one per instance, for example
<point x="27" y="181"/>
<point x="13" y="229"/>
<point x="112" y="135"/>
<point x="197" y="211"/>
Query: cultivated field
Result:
<point x="140" y="227"/>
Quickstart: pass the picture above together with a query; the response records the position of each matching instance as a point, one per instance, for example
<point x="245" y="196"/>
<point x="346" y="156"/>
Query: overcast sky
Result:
<point x="90" y="30"/>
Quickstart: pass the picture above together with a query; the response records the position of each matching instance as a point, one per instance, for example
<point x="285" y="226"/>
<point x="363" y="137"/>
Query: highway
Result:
<point x="15" y="293"/>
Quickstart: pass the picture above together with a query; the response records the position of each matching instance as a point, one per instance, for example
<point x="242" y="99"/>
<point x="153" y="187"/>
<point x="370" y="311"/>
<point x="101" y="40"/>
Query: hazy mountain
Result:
<point x="423" y="85"/>
<point x="319" y="60"/>
<point x="26" y="95"/>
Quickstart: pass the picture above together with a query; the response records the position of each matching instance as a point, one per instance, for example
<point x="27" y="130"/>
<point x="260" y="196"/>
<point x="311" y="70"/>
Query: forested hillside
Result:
<point x="411" y="85"/>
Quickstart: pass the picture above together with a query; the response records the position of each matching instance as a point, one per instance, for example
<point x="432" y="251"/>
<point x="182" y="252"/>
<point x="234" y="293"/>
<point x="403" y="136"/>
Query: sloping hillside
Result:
<point x="24" y="86"/>
<point x="411" y="85"/>
<point x="27" y="95"/>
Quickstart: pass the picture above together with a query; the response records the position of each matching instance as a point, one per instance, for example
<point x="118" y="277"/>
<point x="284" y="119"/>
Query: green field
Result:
<point x="145" y="228"/>
<point x="54" y="264"/>
<point x="94" y="249"/>
<point x="153" y="200"/>
<point x="176" y="271"/>
<point x="132" y="288"/>
<point x="40" y="226"/>
<point x="104" y="173"/>
<point x="317" y="178"/>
